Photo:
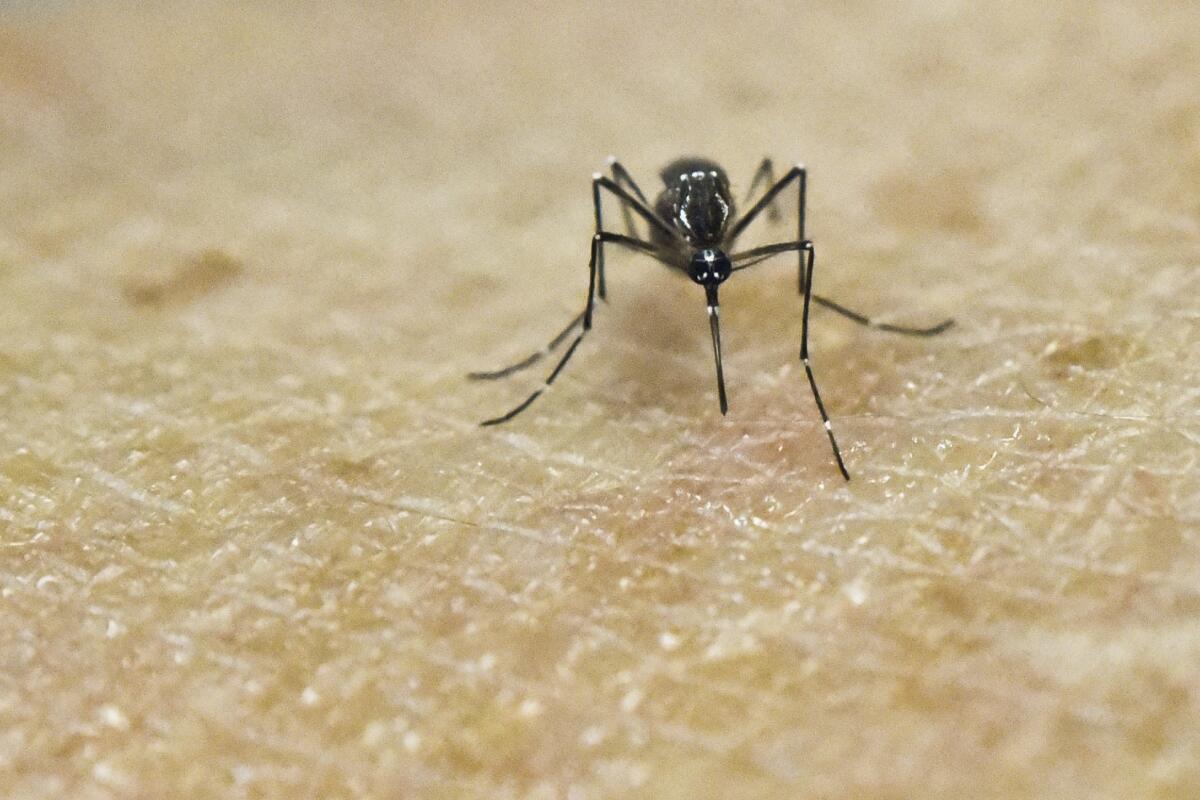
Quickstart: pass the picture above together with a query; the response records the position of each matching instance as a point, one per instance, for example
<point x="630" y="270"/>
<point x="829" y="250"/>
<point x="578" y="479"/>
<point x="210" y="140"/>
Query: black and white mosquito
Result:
<point x="693" y="227"/>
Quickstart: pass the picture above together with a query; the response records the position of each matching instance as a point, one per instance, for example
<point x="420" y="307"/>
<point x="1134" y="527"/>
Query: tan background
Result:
<point x="255" y="546"/>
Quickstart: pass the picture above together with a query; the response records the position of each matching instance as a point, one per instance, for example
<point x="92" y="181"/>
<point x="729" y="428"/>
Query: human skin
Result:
<point x="253" y="542"/>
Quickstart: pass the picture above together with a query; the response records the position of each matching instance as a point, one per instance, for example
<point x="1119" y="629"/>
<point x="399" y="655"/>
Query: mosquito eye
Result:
<point x="709" y="266"/>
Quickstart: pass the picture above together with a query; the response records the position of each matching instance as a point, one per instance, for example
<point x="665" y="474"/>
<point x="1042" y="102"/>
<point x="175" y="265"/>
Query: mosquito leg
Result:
<point x="802" y="212"/>
<point x="749" y="258"/>
<point x="622" y="176"/>
<point x="597" y="259"/>
<point x="533" y="358"/>
<point x="800" y="176"/>
<point x="795" y="173"/>
<point x="861" y="319"/>
<point x="807" y="247"/>
<point x="585" y="316"/>
<point x="597" y="250"/>
<point x="765" y="172"/>
<point x="629" y="203"/>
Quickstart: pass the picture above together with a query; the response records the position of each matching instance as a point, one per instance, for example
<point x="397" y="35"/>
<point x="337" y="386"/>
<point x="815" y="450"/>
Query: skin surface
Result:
<point x="254" y="544"/>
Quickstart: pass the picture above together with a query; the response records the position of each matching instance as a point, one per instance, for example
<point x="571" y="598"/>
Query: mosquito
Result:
<point x="693" y="227"/>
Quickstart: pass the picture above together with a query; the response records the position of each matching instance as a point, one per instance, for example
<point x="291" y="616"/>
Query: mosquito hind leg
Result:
<point x="765" y="172"/>
<point x="635" y="202"/>
<point x="797" y="174"/>
<point x="622" y="177"/>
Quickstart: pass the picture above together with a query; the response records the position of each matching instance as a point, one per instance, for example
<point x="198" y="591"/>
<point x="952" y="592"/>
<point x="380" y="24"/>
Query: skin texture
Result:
<point x="253" y="543"/>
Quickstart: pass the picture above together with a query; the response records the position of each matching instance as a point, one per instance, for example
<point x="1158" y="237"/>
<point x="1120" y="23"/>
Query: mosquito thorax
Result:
<point x="696" y="200"/>
<point x="709" y="266"/>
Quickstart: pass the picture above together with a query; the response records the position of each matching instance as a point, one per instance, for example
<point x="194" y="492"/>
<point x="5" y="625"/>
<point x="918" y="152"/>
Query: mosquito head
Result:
<point x="709" y="266"/>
